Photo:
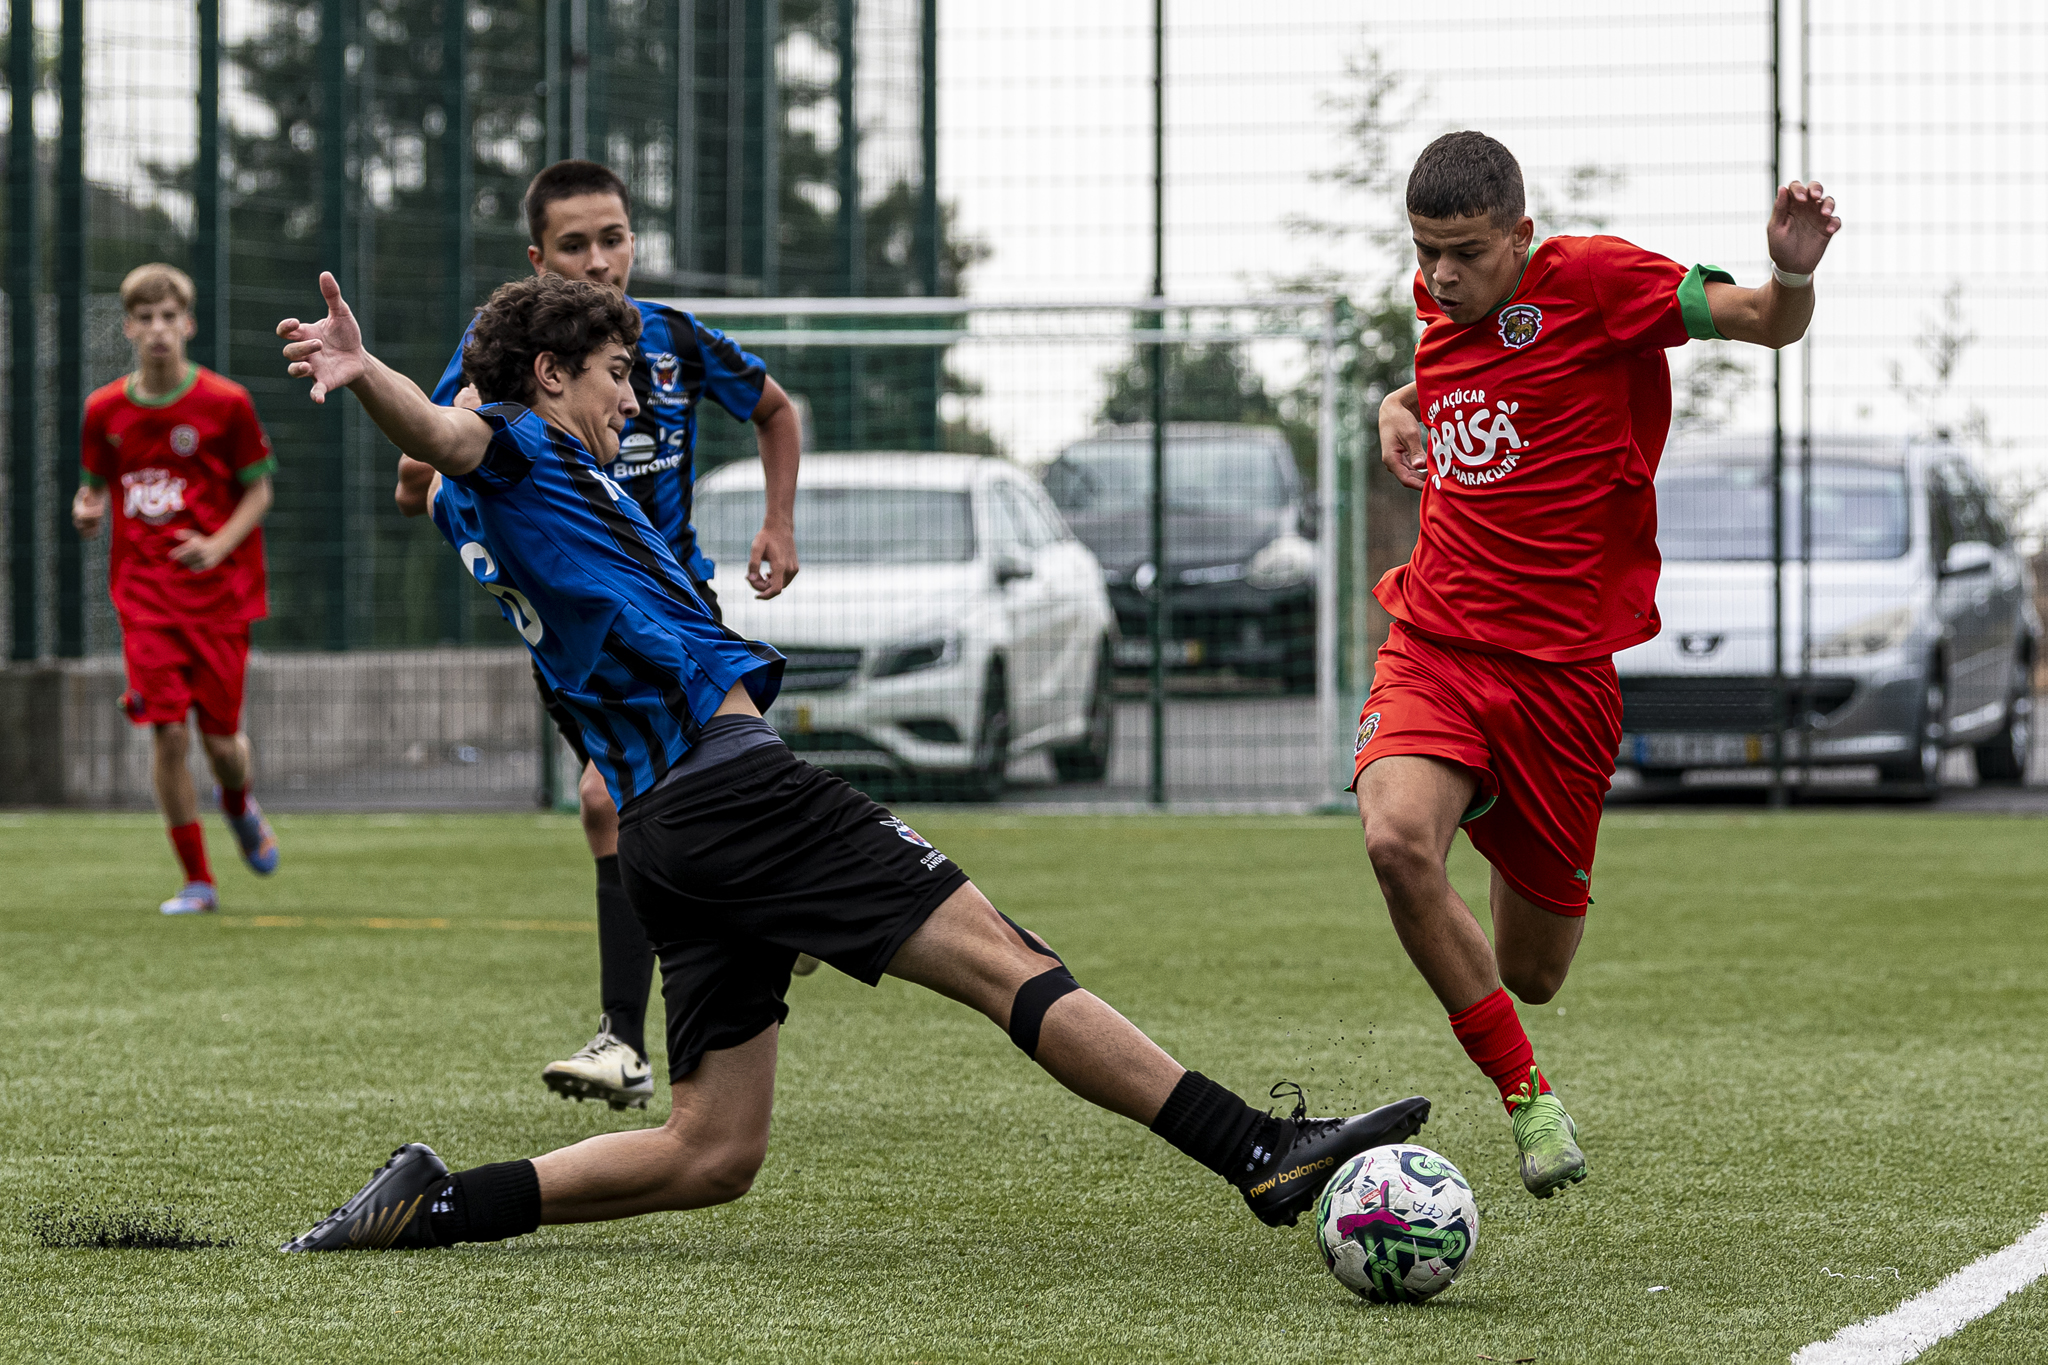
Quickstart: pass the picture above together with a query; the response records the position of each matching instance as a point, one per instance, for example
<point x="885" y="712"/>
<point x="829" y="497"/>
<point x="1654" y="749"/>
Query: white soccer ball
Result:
<point x="1396" y="1224"/>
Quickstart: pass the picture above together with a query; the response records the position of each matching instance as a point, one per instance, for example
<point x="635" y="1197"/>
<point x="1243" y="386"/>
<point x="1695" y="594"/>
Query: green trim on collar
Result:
<point x="1692" y="301"/>
<point x="1520" y="275"/>
<point x="262" y="469"/>
<point x="191" y="378"/>
<point x="90" y="479"/>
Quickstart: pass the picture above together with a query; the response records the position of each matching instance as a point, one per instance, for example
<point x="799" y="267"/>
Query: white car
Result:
<point x="944" y="622"/>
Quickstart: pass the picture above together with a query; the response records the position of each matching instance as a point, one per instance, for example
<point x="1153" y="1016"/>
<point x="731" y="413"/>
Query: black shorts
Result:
<point x="565" y="723"/>
<point x="735" y="870"/>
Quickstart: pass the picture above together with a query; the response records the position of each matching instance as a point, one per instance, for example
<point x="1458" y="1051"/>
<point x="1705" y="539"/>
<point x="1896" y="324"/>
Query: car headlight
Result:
<point x="1873" y="634"/>
<point x="1287" y="561"/>
<point x="916" y="658"/>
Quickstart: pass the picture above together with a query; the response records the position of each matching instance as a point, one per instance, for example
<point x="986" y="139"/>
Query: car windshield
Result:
<point x="1722" y="511"/>
<point x="1203" y="474"/>
<point x="847" y="525"/>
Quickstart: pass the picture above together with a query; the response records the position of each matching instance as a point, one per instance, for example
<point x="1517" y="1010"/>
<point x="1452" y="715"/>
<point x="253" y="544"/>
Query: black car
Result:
<point x="1242" y="569"/>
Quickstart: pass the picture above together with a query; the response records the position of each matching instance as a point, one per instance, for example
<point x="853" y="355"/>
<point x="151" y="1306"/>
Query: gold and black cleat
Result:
<point x="391" y="1211"/>
<point x="1310" y="1150"/>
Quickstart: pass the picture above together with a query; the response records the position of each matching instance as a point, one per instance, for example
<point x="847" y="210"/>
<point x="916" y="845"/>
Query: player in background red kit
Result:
<point x="1533" y="430"/>
<point x="182" y="448"/>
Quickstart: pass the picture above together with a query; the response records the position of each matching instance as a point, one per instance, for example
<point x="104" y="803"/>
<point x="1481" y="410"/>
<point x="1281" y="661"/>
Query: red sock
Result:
<point x="1494" y="1040"/>
<point x="234" y="801"/>
<point x="190" y="843"/>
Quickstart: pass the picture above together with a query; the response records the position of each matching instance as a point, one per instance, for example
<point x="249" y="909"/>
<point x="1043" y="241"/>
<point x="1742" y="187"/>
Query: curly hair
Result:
<point x="542" y="314"/>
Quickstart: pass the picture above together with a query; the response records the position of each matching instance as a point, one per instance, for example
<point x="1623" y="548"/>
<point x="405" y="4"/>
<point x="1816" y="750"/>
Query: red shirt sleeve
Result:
<point x="1636" y="292"/>
<point x="94" y="453"/>
<point x="250" y="455"/>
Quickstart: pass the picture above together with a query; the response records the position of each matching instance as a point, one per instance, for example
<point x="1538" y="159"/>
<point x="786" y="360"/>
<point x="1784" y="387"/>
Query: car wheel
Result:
<point x="986" y="780"/>
<point x="1088" y="760"/>
<point x="1918" y="778"/>
<point x="2002" y="759"/>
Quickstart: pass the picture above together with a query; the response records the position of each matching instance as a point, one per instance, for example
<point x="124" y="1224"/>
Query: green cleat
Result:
<point x="1548" y="1139"/>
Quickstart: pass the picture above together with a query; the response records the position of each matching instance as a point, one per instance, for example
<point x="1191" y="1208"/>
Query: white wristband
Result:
<point x="1789" y="279"/>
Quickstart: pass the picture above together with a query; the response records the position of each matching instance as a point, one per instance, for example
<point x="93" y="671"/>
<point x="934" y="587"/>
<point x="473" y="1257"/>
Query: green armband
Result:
<point x="1692" y="301"/>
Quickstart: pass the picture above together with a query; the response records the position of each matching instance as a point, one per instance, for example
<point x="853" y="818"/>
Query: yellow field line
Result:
<point x="567" y="926"/>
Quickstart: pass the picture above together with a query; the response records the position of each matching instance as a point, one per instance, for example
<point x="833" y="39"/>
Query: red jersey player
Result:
<point x="192" y="466"/>
<point x="1533" y="430"/>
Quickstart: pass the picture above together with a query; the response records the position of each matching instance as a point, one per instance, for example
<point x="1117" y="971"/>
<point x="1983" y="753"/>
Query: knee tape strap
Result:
<point x="1029" y="942"/>
<point x="1034" y="998"/>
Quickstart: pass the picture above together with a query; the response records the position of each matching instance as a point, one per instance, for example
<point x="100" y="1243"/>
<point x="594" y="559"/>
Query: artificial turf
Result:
<point x="1806" y="1053"/>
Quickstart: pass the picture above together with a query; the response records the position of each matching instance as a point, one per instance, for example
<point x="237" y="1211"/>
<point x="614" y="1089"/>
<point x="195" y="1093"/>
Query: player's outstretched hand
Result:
<point x="1402" y="449"/>
<point x="1802" y="221"/>
<point x="329" y="352"/>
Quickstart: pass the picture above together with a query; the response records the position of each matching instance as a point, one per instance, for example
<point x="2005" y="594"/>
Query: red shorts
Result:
<point x="1540" y="736"/>
<point x="172" y="669"/>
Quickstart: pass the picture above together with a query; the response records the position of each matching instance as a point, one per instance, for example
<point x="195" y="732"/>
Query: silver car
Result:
<point x="1923" y="633"/>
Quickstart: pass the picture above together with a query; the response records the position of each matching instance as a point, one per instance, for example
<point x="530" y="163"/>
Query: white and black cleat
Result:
<point x="605" y="1069"/>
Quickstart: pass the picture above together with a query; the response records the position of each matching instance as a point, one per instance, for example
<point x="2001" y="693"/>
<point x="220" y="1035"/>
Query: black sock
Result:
<point x="1216" y="1128"/>
<point x="487" y="1203"/>
<point x="625" y="960"/>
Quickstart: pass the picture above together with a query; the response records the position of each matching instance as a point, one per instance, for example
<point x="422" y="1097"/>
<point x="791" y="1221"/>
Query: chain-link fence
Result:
<point x="902" y="148"/>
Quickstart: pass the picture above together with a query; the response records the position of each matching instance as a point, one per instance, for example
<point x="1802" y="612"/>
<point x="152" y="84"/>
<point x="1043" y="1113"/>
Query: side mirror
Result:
<point x="1011" y="566"/>
<point x="1308" y="522"/>
<point x="1967" y="557"/>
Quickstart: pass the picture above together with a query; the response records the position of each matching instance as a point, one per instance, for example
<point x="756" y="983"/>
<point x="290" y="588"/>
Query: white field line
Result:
<point x="1901" y="1335"/>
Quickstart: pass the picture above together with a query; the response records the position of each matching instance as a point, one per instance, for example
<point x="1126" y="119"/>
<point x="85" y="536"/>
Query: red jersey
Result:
<point x="175" y="463"/>
<point x="1545" y="421"/>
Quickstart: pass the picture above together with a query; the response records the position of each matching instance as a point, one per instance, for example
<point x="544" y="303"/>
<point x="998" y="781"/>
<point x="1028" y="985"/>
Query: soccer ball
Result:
<point x="1395" y="1224"/>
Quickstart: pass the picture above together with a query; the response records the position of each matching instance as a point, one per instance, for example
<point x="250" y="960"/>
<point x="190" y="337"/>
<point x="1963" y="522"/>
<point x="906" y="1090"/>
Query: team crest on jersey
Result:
<point x="1367" y="728"/>
<point x="906" y="833"/>
<point x="1520" y="324"/>
<point x="667" y="370"/>
<point x="185" y="438"/>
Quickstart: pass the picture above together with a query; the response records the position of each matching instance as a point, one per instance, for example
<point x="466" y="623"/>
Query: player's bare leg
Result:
<point x="1410" y="807"/>
<point x="707" y="1153"/>
<point x="1533" y="946"/>
<point x="233" y="769"/>
<point x="169" y="773"/>
<point x="966" y="952"/>
<point x="612" y="1066"/>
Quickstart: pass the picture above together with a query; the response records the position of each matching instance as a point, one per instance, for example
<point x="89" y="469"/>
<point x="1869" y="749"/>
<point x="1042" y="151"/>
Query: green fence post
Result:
<point x="24" y="285"/>
<point x="335" y="240"/>
<point x="70" y="263"/>
<point x="209" y="233"/>
<point x="457" y="174"/>
<point x="927" y="230"/>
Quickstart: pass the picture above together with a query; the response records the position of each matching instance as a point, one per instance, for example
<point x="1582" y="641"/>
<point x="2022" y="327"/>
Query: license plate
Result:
<point x="1138" y="653"/>
<point x="1687" y="751"/>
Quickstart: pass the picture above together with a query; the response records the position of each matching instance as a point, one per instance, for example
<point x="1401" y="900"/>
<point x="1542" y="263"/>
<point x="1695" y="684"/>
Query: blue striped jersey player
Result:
<point x="549" y="534"/>
<point x="678" y="364"/>
<point x="737" y="856"/>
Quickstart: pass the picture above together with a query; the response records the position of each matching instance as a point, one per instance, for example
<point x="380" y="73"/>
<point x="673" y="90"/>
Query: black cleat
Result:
<point x="1311" y="1150"/>
<point x="390" y="1211"/>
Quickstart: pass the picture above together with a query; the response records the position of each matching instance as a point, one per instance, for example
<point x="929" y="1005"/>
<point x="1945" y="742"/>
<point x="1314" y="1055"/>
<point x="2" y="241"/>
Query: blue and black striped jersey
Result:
<point x="679" y="362"/>
<point x="610" y="616"/>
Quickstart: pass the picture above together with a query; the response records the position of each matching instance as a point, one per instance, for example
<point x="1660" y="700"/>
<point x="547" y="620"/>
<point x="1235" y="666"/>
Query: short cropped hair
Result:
<point x="567" y="180"/>
<point x="1461" y="174"/>
<point x="537" y="315"/>
<point x="155" y="282"/>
